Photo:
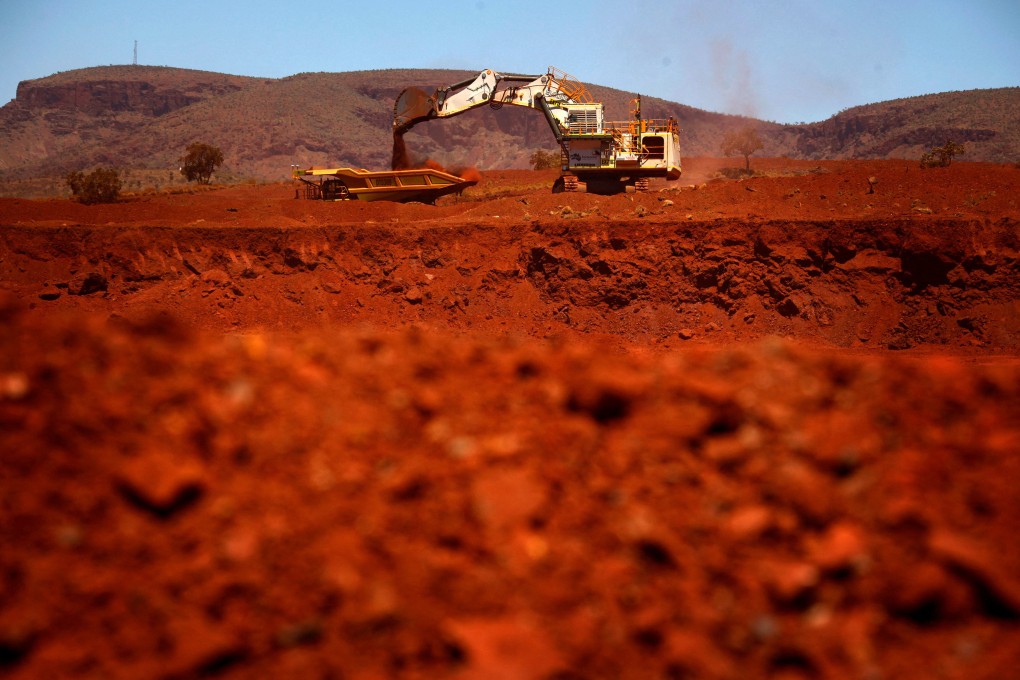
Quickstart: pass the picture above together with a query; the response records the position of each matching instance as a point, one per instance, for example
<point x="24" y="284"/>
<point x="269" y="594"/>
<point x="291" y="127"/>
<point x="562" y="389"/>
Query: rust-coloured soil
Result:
<point x="750" y="429"/>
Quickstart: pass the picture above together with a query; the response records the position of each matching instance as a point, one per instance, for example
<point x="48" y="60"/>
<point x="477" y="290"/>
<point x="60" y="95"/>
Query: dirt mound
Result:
<point x="516" y="435"/>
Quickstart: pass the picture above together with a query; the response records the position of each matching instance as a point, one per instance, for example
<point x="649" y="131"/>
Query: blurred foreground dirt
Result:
<point x="755" y="429"/>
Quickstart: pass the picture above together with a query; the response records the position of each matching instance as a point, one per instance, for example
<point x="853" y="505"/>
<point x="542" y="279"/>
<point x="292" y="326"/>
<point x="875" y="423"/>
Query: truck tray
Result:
<point x="424" y="185"/>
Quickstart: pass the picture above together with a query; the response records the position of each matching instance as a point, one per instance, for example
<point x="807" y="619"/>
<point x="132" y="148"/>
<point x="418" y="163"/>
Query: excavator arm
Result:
<point x="543" y="92"/>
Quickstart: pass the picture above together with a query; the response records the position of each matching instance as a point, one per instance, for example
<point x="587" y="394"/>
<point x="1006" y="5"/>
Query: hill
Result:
<point x="987" y="122"/>
<point x="142" y="117"/>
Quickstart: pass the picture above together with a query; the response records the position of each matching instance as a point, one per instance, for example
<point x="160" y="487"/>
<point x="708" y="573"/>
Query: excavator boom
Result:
<point x="415" y="105"/>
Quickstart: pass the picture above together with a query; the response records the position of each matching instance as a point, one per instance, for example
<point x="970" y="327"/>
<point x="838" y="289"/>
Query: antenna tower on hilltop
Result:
<point x="136" y="53"/>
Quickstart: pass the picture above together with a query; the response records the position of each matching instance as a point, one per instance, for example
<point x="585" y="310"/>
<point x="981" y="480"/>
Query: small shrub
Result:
<point x="736" y="173"/>
<point x="941" y="156"/>
<point x="545" y="160"/>
<point x="102" y="185"/>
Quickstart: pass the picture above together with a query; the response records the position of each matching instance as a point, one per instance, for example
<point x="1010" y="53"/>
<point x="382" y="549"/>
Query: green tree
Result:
<point x="742" y="142"/>
<point x="544" y="160"/>
<point x="200" y="161"/>
<point x="102" y="185"/>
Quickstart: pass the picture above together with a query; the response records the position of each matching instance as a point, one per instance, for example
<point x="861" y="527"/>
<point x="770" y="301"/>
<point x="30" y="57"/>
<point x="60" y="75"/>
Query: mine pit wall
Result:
<point x="882" y="284"/>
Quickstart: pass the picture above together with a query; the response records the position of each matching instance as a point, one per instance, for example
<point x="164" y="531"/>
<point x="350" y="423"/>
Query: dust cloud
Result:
<point x="732" y="72"/>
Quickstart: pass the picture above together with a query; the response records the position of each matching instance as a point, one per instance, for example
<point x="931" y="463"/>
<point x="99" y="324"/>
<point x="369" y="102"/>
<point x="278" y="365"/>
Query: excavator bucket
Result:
<point x="413" y="106"/>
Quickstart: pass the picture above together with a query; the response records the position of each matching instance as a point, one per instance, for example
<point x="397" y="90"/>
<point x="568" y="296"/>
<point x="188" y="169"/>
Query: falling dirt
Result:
<point x="400" y="161"/>
<point x="747" y="429"/>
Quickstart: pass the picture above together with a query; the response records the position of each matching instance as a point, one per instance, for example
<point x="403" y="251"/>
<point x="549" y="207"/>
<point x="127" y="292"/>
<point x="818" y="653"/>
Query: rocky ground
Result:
<point x="724" y="429"/>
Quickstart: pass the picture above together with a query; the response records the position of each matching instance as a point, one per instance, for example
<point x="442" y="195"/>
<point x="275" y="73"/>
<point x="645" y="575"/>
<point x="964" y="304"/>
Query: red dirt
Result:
<point x="752" y="429"/>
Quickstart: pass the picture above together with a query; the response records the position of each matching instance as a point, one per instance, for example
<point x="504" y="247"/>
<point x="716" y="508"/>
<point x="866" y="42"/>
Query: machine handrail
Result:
<point x="571" y="86"/>
<point x="633" y="127"/>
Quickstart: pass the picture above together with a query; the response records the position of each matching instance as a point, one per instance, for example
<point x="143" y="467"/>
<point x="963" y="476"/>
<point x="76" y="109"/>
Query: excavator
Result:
<point x="596" y="156"/>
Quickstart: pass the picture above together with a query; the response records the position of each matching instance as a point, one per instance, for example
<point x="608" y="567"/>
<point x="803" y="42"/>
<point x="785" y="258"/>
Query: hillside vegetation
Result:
<point x="141" y="118"/>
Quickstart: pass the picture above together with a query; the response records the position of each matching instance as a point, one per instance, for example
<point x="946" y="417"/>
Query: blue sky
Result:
<point x="791" y="61"/>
